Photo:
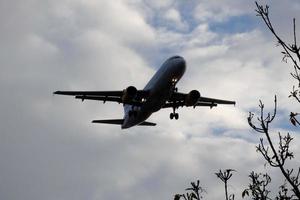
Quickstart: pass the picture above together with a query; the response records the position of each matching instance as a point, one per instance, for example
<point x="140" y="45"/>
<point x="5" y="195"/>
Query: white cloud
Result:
<point x="157" y="4"/>
<point x="50" y="150"/>
<point x="172" y="15"/>
<point x="213" y="10"/>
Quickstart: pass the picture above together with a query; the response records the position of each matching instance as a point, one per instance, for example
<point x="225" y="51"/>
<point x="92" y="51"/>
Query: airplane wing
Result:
<point x="90" y="93"/>
<point x="181" y="104"/>
<point x="112" y="96"/>
<point x="217" y="101"/>
<point x="178" y="100"/>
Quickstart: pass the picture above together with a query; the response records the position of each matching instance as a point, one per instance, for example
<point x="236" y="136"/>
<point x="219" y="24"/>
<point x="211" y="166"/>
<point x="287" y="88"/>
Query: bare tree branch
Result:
<point x="194" y="192"/>
<point x="290" y="51"/>
<point x="225" y="176"/>
<point x="277" y="156"/>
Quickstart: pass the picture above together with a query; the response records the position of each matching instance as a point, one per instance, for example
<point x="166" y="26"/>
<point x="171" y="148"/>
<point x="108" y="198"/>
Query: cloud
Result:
<point x="221" y="11"/>
<point x="49" y="148"/>
<point x="173" y="16"/>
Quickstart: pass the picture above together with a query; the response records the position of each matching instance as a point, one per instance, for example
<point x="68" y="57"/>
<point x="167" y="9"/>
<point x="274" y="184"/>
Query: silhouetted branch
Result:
<point x="293" y="119"/>
<point x="290" y="51"/>
<point x="295" y="92"/>
<point x="264" y="120"/>
<point x="194" y="192"/>
<point x="275" y="158"/>
<point x="257" y="188"/>
<point x="225" y="176"/>
<point x="278" y="158"/>
<point x="283" y="193"/>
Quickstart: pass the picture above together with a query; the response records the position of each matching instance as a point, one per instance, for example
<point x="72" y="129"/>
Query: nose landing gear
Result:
<point x="174" y="114"/>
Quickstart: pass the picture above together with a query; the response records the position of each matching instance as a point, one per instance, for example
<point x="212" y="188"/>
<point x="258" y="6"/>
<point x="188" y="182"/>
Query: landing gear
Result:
<point x="174" y="114"/>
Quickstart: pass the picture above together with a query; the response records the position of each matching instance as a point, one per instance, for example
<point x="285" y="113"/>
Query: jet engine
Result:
<point x="192" y="98"/>
<point x="129" y="94"/>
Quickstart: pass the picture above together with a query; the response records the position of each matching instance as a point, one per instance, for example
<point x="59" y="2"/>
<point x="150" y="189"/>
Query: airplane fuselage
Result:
<point x="160" y="88"/>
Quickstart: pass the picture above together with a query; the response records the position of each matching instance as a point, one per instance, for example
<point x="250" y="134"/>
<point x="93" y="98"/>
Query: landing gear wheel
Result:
<point x="171" y="115"/>
<point x="176" y="116"/>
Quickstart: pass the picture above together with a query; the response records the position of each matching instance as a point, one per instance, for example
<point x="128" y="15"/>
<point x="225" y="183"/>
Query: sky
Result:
<point x="50" y="150"/>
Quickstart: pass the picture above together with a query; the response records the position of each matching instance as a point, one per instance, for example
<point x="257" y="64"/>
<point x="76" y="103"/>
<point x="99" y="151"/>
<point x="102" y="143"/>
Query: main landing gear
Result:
<point x="174" y="114"/>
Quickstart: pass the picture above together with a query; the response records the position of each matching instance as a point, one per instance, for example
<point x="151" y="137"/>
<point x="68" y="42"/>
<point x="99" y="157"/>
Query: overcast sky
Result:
<point x="49" y="149"/>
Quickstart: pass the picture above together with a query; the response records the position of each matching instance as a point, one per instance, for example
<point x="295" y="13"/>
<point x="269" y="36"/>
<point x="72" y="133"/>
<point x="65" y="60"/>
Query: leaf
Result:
<point x="245" y="192"/>
<point x="193" y="184"/>
<point x="290" y="155"/>
<point x="177" y="197"/>
<point x="293" y="121"/>
<point x="194" y="196"/>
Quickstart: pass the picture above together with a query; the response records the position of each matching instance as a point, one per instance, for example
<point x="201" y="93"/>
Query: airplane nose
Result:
<point x="178" y="65"/>
<point x="181" y="65"/>
<point x="182" y="62"/>
<point x="179" y="60"/>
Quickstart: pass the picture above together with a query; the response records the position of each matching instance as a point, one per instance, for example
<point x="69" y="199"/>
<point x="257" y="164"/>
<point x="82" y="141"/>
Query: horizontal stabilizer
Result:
<point x="109" y="121"/>
<point x="120" y="122"/>
<point x="147" y="124"/>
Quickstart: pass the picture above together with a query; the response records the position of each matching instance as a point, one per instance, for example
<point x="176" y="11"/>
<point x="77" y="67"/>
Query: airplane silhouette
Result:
<point x="160" y="92"/>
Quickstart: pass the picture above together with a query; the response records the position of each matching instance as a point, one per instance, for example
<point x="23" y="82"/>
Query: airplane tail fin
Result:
<point x="120" y="122"/>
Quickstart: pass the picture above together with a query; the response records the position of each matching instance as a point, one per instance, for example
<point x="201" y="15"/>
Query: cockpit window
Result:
<point x="174" y="57"/>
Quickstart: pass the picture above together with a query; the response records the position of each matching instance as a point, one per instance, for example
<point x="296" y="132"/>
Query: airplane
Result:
<point x="160" y="92"/>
